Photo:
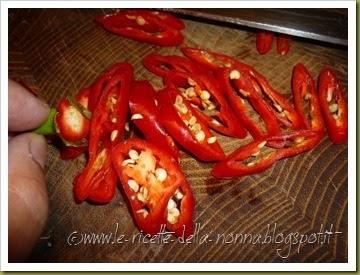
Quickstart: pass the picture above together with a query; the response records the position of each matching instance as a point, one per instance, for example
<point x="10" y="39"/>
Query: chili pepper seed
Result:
<point x="136" y="116"/>
<point x="134" y="186"/>
<point x="235" y="74"/>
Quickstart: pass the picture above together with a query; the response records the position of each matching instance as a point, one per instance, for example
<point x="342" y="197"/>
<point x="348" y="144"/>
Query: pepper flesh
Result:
<point x="187" y="127"/>
<point x="204" y="92"/>
<point x="305" y="95"/>
<point x="282" y="109"/>
<point x="264" y="41"/>
<point x="142" y="101"/>
<point x="97" y="181"/>
<point x="143" y="26"/>
<point x="70" y="123"/>
<point x="283" y="44"/>
<point x="333" y="106"/>
<point x="243" y="89"/>
<point x="261" y="154"/>
<point x="148" y="194"/>
<point x="166" y="66"/>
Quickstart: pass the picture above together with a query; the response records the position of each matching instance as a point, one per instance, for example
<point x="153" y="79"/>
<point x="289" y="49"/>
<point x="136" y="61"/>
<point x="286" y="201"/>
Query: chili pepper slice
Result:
<point x="166" y="66"/>
<point x="100" y="83"/>
<point x="146" y="117"/>
<point x="208" y="102"/>
<point x="169" y="20"/>
<point x="142" y="26"/>
<point x="333" y="105"/>
<point x="306" y="99"/>
<point x="97" y="181"/>
<point x="241" y="88"/>
<point x="70" y="123"/>
<point x="184" y="124"/>
<point x="200" y="89"/>
<point x="155" y="187"/>
<point x="283" y="110"/>
<point x="264" y="41"/>
<point x="283" y="44"/>
<point x="261" y="154"/>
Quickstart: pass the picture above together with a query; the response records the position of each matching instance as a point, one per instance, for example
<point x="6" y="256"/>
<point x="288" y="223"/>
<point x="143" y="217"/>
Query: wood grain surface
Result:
<point x="58" y="51"/>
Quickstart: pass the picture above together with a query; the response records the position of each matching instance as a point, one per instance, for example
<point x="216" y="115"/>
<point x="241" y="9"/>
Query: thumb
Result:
<point x="28" y="200"/>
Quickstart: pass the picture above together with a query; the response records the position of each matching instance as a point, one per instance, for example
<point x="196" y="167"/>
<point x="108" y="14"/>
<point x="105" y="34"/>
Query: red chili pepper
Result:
<point x="259" y="155"/>
<point x="306" y="99"/>
<point x="283" y="44"/>
<point x="264" y="41"/>
<point x="283" y="110"/>
<point x="155" y="187"/>
<point x="333" y="105"/>
<point x="146" y="116"/>
<point x="243" y="94"/>
<point x="97" y="181"/>
<point x="71" y="124"/>
<point x="184" y="124"/>
<point x="98" y="86"/>
<point x="143" y="26"/>
<point x="200" y="89"/>
<point x="166" y="66"/>
<point x="169" y="20"/>
<point x="208" y="102"/>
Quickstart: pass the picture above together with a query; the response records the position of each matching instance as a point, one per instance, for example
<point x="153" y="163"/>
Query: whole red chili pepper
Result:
<point x="264" y="41"/>
<point x="333" y="105"/>
<point x="283" y="44"/>
<point x="261" y="154"/>
<point x="187" y="127"/>
<point x="282" y="109"/>
<point x="155" y="187"/>
<point x="241" y="92"/>
<point x="143" y="26"/>
<point x="306" y="99"/>
<point x="98" y="180"/>
<point x="146" y="116"/>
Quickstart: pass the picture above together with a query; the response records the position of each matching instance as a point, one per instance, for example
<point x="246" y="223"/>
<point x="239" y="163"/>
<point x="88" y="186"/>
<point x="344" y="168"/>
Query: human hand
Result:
<point x="28" y="199"/>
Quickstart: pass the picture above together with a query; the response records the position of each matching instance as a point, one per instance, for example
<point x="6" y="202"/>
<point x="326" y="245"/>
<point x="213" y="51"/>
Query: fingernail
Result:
<point x="37" y="149"/>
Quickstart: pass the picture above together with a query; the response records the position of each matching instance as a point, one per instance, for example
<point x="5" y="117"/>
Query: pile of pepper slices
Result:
<point x="203" y="91"/>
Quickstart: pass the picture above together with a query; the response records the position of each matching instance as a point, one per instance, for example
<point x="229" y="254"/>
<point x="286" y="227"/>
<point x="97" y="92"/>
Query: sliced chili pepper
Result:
<point x="100" y="83"/>
<point x="241" y="90"/>
<point x="264" y="41"/>
<point x="70" y="123"/>
<point x="208" y="102"/>
<point x="283" y="44"/>
<point x="155" y="187"/>
<point x="184" y="124"/>
<point x="169" y="20"/>
<point x="146" y="116"/>
<point x="200" y="89"/>
<point x="333" y="105"/>
<point x="306" y="99"/>
<point x="97" y="181"/>
<point x="142" y="26"/>
<point x="283" y="110"/>
<point x="259" y="155"/>
<point x="166" y="66"/>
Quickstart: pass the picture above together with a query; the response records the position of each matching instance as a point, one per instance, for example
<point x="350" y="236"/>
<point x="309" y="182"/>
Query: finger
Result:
<point x="26" y="111"/>
<point x="28" y="199"/>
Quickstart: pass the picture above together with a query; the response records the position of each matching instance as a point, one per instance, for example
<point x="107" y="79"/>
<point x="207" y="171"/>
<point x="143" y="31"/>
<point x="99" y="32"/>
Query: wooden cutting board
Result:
<point x="58" y="51"/>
